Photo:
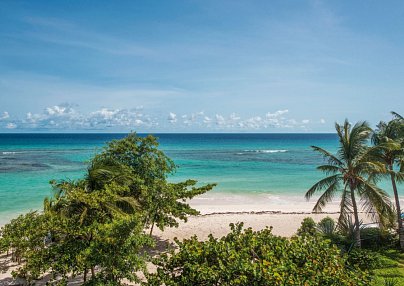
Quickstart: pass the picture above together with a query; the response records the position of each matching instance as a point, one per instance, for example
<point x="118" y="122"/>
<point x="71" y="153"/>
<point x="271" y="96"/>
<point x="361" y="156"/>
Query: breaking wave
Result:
<point x="267" y="151"/>
<point x="9" y="153"/>
<point x="263" y="151"/>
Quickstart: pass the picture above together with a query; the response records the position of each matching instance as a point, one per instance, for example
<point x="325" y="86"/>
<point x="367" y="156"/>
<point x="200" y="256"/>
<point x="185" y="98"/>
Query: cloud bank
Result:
<point x="67" y="117"/>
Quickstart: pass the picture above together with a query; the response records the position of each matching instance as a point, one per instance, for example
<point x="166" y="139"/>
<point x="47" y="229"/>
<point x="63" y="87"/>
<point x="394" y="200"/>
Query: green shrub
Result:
<point x="246" y="257"/>
<point x="308" y="227"/>
<point x="326" y="226"/>
<point x="376" y="238"/>
<point x="363" y="259"/>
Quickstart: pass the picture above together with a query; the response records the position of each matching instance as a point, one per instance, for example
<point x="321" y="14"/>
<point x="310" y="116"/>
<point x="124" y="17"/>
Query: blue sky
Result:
<point x="199" y="66"/>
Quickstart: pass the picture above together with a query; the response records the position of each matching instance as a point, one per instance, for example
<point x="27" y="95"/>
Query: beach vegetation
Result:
<point x="389" y="137"/>
<point x="247" y="257"/>
<point x="96" y="226"/>
<point x="349" y="173"/>
<point x="307" y="227"/>
<point x="327" y="226"/>
<point x="162" y="202"/>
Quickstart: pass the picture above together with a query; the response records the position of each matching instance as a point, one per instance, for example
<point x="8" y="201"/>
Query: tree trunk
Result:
<point x="397" y="199"/>
<point x="92" y="272"/>
<point x="357" y="233"/>
<point x="85" y="275"/>
<point x="151" y="229"/>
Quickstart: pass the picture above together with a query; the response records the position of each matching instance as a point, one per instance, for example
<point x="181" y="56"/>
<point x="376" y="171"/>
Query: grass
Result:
<point x="391" y="272"/>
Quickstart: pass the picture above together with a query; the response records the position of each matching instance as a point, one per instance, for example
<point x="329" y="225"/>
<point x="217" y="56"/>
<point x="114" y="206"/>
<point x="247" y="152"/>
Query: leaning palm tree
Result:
<point x="71" y="198"/>
<point x="390" y="138"/>
<point x="348" y="173"/>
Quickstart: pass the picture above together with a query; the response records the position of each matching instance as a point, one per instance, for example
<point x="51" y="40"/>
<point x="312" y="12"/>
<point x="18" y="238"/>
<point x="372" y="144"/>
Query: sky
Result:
<point x="199" y="66"/>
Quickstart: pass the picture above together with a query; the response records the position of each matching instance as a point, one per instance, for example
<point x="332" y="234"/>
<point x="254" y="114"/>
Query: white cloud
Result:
<point x="207" y="119"/>
<point x="68" y="117"/>
<point x="277" y="113"/>
<point x="62" y="109"/>
<point x="5" y="115"/>
<point x="220" y="119"/>
<point x="322" y="121"/>
<point x="234" y="117"/>
<point x="138" y="122"/>
<point x="65" y="116"/>
<point x="172" y="117"/>
<point x="193" y="118"/>
<point x="11" y="125"/>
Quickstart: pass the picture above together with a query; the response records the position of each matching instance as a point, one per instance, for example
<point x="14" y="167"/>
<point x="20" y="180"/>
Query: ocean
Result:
<point x="277" y="164"/>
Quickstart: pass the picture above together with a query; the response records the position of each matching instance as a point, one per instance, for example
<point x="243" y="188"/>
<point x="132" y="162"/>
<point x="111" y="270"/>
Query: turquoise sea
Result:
<point x="279" y="164"/>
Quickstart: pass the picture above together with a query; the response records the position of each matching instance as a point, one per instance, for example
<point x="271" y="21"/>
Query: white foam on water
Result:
<point x="267" y="151"/>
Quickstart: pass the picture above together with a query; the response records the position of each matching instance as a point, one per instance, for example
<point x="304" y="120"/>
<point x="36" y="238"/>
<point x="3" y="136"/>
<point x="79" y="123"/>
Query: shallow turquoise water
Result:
<point x="281" y="164"/>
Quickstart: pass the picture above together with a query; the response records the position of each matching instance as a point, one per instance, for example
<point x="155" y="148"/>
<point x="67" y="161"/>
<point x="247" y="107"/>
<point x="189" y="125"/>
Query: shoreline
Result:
<point x="211" y="204"/>
<point x="234" y="203"/>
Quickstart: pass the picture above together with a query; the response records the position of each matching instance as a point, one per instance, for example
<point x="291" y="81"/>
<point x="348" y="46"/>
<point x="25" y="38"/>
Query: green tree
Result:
<point x="86" y="230"/>
<point x="348" y="173"/>
<point x="162" y="202"/>
<point x="22" y="235"/>
<point x="390" y="138"/>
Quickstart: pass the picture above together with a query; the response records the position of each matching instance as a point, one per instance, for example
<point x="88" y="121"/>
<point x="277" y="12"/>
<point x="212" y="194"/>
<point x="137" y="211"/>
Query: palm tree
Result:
<point x="390" y="138"/>
<point x="348" y="173"/>
<point x="100" y="196"/>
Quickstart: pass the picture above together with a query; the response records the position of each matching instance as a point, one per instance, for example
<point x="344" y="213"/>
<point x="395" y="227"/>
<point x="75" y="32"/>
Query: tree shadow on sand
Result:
<point x="161" y="246"/>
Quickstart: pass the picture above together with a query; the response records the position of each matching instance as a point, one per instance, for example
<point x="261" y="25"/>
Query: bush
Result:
<point x="376" y="238"/>
<point x="308" y="227"/>
<point x="363" y="259"/>
<point x="246" y="257"/>
<point x="326" y="226"/>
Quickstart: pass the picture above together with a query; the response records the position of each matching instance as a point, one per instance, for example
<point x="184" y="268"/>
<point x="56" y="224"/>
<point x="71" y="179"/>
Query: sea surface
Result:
<point x="278" y="164"/>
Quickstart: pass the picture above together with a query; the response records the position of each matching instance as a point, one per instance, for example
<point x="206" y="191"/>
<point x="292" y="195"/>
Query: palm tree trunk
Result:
<point x="357" y="233"/>
<point x="397" y="199"/>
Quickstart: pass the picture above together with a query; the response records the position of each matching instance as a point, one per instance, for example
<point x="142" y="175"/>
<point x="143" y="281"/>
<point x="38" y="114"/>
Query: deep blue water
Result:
<point x="238" y="163"/>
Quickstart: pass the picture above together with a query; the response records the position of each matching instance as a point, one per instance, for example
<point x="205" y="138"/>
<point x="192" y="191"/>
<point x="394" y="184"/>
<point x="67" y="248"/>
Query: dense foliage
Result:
<point x="97" y="224"/>
<point x="247" y="257"/>
<point x="161" y="202"/>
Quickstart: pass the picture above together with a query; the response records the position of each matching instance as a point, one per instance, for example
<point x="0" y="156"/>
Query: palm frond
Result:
<point x="128" y="204"/>
<point x="322" y="184"/>
<point x="332" y="160"/>
<point x="345" y="204"/>
<point x="326" y="197"/>
<point x="399" y="176"/>
<point x="375" y="201"/>
<point x="329" y="169"/>
<point x="397" y="116"/>
<point x="369" y="167"/>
